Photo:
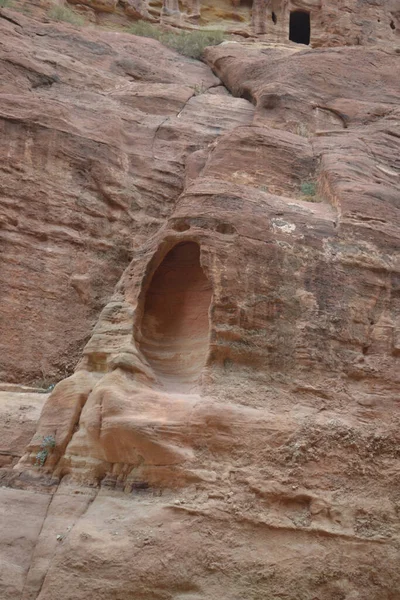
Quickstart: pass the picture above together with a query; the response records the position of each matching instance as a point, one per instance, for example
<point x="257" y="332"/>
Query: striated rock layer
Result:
<point x="88" y="171"/>
<point x="339" y="22"/>
<point x="316" y="22"/>
<point x="231" y="428"/>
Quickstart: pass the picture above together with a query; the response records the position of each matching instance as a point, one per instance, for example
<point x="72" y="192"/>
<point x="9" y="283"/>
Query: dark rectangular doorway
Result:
<point x="300" y="27"/>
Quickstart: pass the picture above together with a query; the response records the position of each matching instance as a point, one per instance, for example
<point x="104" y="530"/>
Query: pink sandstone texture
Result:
<point x="205" y="257"/>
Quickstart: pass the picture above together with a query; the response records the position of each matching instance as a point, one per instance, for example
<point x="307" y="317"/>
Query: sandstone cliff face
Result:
<point x="344" y="22"/>
<point x="231" y="427"/>
<point x="315" y="22"/>
<point x="85" y="176"/>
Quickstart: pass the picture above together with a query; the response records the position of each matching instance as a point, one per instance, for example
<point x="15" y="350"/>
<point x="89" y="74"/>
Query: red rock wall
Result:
<point x="333" y="23"/>
<point x="92" y="160"/>
<point x="276" y="474"/>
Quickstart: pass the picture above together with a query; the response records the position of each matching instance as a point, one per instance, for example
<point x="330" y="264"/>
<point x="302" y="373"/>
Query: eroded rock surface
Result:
<point x="315" y="22"/>
<point x="347" y="22"/>
<point x="344" y="22"/>
<point x="18" y="420"/>
<point x="231" y="428"/>
<point x="96" y="130"/>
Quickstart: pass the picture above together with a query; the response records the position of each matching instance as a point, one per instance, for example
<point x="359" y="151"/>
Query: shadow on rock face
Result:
<point x="175" y="323"/>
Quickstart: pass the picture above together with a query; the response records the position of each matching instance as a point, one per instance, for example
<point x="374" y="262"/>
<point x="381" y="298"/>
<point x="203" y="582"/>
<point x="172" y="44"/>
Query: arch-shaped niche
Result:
<point x="175" y="322"/>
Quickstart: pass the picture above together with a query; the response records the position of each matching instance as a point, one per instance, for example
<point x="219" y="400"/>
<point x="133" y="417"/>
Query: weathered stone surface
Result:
<point x="344" y="22"/>
<point x="231" y="429"/>
<point x="65" y="509"/>
<point x="107" y="6"/>
<point x="136" y="9"/>
<point x="18" y="421"/>
<point x="89" y="170"/>
<point x="189" y="548"/>
<point x="21" y="518"/>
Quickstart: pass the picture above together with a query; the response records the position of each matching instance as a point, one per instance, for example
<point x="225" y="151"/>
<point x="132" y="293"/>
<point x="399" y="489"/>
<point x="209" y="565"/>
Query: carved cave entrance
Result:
<point x="300" y="27"/>
<point x="175" y="324"/>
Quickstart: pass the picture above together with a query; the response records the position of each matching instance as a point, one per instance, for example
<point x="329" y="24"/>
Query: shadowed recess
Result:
<point x="175" y="325"/>
<point x="300" y="27"/>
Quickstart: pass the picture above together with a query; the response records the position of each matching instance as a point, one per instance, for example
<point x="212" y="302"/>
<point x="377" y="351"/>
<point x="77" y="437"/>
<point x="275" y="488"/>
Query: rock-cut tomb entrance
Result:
<point x="300" y="27"/>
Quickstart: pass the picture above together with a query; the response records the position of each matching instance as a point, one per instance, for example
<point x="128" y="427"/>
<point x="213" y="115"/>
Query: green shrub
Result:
<point x="63" y="13"/>
<point x="193" y="43"/>
<point x="48" y="443"/>
<point x="145" y="29"/>
<point x="5" y="3"/>
<point x="188" y="43"/>
<point x="309" y="188"/>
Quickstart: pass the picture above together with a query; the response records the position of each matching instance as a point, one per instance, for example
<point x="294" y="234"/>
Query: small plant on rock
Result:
<point x="5" y="3"/>
<point x="193" y="43"/>
<point x="48" y="443"/>
<point x="308" y="188"/>
<point x="301" y="129"/>
<point x="309" y="191"/>
<point x="188" y="43"/>
<point x="199" y="89"/>
<point x="145" y="29"/>
<point x="63" y="13"/>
